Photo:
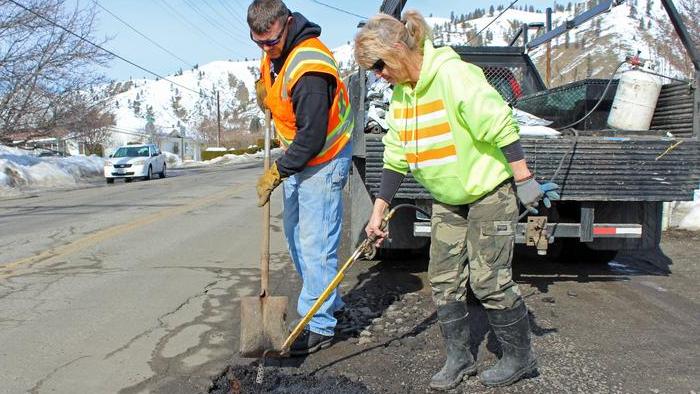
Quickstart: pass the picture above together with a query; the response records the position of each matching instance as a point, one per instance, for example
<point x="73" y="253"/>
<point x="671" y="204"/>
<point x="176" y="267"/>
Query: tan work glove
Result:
<point x="260" y="93"/>
<point x="267" y="183"/>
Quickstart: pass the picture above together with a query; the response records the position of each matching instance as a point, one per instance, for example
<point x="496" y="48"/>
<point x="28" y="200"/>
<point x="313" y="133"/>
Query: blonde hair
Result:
<point x="376" y="39"/>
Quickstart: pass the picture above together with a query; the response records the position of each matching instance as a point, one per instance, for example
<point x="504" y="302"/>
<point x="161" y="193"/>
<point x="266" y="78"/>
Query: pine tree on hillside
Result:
<point x="589" y="66"/>
<point x="242" y="94"/>
<point x="491" y="10"/>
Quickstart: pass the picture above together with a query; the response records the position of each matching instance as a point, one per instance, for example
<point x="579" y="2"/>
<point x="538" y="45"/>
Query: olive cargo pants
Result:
<point x="473" y="245"/>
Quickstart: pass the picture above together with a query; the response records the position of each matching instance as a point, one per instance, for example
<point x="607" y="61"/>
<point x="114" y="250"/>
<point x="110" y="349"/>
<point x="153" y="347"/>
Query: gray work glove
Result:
<point x="530" y="192"/>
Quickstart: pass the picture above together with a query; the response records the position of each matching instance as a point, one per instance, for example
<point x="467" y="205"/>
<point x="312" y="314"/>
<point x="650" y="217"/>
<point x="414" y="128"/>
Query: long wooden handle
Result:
<point x="331" y="287"/>
<point x="265" y="247"/>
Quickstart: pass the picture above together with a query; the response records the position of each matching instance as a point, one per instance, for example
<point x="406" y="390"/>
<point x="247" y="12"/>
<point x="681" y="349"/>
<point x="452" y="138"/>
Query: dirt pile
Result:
<point x="241" y="379"/>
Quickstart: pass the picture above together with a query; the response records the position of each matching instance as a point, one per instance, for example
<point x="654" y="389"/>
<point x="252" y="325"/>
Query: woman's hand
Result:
<point x="373" y="228"/>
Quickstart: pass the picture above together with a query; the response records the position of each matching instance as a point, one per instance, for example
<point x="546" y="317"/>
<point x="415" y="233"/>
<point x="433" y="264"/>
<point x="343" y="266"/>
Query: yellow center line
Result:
<point x="8" y="269"/>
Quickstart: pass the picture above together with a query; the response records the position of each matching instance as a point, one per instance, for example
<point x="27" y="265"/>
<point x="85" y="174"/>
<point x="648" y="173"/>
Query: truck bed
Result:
<point x="594" y="168"/>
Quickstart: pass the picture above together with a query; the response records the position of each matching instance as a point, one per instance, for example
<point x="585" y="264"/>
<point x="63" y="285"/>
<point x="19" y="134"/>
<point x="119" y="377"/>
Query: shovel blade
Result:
<point x="263" y="325"/>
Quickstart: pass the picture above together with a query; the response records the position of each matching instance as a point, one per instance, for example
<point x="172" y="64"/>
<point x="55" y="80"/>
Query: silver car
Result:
<point x="135" y="161"/>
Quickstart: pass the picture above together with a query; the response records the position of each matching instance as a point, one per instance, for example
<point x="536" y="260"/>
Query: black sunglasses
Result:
<point x="272" y="42"/>
<point x="378" y="66"/>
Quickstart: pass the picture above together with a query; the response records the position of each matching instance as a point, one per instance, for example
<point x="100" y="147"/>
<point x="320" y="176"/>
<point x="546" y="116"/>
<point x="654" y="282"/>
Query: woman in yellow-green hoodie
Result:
<point x="459" y="139"/>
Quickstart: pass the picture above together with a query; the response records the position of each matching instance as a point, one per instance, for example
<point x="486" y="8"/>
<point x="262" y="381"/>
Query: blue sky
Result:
<point x="178" y="26"/>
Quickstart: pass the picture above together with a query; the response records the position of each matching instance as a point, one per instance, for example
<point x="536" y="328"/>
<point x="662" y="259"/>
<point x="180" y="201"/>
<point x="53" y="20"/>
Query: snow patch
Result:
<point x="21" y="169"/>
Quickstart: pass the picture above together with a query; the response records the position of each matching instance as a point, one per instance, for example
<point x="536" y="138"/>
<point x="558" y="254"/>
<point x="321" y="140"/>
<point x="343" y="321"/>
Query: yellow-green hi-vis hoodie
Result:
<point x="449" y="130"/>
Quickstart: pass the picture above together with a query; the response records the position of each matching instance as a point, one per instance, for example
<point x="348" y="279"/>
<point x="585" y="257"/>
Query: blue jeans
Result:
<point x="313" y="211"/>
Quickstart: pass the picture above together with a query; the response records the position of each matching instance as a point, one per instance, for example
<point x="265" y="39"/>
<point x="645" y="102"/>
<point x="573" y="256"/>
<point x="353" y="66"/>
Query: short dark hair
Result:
<point x="263" y="13"/>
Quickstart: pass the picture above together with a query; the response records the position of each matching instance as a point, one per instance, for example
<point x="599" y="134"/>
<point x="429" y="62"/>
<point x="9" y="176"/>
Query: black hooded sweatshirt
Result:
<point x="312" y="97"/>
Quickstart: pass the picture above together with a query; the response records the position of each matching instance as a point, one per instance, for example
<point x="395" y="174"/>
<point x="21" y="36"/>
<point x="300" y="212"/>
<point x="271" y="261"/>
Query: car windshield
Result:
<point x="131" y="151"/>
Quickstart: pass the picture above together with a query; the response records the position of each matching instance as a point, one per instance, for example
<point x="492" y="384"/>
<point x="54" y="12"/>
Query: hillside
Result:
<point x="592" y="50"/>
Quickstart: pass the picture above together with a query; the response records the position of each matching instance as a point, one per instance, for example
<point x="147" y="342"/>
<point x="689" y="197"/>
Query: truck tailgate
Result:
<point x="592" y="168"/>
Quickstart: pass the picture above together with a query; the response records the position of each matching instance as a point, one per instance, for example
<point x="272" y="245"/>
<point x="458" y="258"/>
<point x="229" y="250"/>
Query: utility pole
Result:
<point x="218" y="121"/>
<point x="548" y="27"/>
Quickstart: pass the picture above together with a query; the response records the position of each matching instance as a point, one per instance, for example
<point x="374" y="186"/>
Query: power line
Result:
<point x="493" y="20"/>
<point x="339" y="9"/>
<point x="194" y="26"/>
<point x="100" y="47"/>
<point x="234" y="26"/>
<point x="142" y="35"/>
<point x="243" y="7"/>
<point x="193" y="6"/>
<point x="232" y="12"/>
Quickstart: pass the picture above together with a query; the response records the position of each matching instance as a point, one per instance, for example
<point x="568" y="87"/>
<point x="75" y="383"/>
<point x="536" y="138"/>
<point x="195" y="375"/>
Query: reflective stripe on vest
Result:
<point x="309" y="56"/>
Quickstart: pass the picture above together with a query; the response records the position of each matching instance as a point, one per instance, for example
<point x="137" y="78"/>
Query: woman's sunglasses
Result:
<point x="272" y="42"/>
<point x="378" y="66"/>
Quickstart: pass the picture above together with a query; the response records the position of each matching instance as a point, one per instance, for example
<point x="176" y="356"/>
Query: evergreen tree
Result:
<point x="641" y="24"/>
<point x="242" y="94"/>
<point x="589" y="66"/>
<point x="491" y="10"/>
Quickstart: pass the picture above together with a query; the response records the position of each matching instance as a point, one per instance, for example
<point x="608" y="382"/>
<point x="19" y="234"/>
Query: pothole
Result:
<point x="241" y="379"/>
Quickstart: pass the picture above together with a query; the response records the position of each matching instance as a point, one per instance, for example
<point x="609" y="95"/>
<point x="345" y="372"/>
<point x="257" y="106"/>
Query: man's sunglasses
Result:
<point x="272" y="42"/>
<point x="378" y="66"/>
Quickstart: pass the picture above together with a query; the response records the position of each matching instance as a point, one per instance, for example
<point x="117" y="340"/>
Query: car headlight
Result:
<point x="108" y="163"/>
<point x="138" y="162"/>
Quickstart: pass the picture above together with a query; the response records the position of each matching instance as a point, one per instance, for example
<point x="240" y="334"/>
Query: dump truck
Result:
<point x="613" y="182"/>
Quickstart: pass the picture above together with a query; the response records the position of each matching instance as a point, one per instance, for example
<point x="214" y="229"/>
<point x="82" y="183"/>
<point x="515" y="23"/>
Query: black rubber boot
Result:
<point x="512" y="328"/>
<point x="460" y="362"/>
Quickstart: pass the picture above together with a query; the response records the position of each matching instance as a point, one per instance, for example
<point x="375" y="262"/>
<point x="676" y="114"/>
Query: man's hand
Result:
<point x="267" y="183"/>
<point x="260" y="93"/>
<point x="530" y="192"/>
<point x="373" y="228"/>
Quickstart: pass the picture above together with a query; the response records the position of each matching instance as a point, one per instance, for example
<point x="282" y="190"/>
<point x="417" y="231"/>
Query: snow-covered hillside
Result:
<point x="591" y="50"/>
<point x="161" y="107"/>
<point x="183" y="106"/>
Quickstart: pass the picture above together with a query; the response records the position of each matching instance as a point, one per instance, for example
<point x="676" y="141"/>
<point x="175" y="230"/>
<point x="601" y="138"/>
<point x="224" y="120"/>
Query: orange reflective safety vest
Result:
<point x="308" y="56"/>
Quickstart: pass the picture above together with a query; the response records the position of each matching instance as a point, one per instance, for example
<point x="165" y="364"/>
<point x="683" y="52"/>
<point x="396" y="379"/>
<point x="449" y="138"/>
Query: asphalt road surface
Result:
<point x="130" y="287"/>
<point x="133" y="288"/>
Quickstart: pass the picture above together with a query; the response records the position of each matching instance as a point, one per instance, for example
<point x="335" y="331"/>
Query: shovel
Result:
<point x="263" y="318"/>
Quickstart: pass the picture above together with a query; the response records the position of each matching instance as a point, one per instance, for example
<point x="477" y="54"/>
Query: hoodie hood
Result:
<point x="300" y="29"/>
<point x="433" y="59"/>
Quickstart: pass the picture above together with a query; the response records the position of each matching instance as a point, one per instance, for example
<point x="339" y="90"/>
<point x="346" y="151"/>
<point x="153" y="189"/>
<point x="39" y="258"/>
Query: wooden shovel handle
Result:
<point x="265" y="246"/>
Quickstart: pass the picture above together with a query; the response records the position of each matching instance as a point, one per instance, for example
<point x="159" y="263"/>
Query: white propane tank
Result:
<point x="635" y="100"/>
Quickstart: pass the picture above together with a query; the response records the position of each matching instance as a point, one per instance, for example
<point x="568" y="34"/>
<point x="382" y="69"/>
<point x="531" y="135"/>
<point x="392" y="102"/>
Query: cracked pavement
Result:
<point x="133" y="287"/>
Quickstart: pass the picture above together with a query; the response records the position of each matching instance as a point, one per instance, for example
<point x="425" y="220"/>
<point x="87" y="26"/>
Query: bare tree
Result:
<point x="89" y="124"/>
<point x="45" y="71"/>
